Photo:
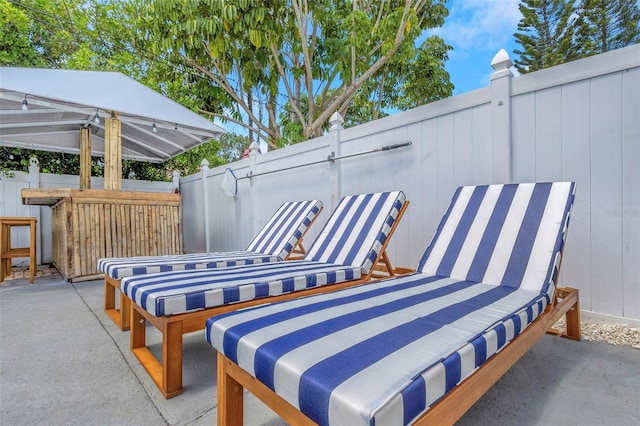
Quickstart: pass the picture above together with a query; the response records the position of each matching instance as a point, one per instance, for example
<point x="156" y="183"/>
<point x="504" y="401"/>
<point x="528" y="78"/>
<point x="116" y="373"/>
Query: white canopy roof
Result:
<point x="61" y="102"/>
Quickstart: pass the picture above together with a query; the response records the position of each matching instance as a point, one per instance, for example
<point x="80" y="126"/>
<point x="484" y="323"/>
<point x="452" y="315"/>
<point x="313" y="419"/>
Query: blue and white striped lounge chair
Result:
<point x="420" y="348"/>
<point x="350" y="249"/>
<point x="280" y="239"/>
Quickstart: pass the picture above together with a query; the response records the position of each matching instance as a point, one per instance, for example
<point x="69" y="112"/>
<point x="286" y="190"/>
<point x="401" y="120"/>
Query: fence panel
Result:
<point x="191" y="189"/>
<point x="631" y="193"/>
<point x="585" y="128"/>
<point x="578" y="121"/>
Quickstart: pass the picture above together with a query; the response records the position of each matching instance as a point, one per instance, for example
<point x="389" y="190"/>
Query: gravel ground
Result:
<point x="614" y="334"/>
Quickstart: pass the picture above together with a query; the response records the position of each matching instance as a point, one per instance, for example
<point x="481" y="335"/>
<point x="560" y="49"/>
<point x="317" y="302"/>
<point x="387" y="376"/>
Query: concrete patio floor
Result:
<point x="62" y="361"/>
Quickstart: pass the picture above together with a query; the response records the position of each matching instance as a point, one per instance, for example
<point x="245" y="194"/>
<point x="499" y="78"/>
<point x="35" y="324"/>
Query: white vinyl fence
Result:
<point x="578" y="121"/>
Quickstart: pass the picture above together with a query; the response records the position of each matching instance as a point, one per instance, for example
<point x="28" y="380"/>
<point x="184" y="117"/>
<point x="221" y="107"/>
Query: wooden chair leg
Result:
<point x="167" y="375"/>
<point x="32" y="253"/>
<point x="5" y="245"/>
<point x="571" y="316"/>
<point x="125" y="312"/>
<point x="230" y="396"/>
<point x="573" y="322"/>
<point x="172" y="359"/>
<point x="7" y="267"/>
<point x="109" y="296"/>
<point x="120" y="317"/>
<point x="231" y="382"/>
<point x="138" y="336"/>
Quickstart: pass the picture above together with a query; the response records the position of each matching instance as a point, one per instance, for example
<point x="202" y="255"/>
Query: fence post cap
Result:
<point x="336" y="121"/>
<point x="501" y="61"/>
<point x="254" y="148"/>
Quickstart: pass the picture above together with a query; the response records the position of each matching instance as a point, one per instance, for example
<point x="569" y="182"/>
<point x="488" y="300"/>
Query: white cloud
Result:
<point x="480" y="24"/>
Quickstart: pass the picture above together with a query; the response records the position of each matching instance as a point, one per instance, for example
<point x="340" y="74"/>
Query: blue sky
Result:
<point x="477" y="30"/>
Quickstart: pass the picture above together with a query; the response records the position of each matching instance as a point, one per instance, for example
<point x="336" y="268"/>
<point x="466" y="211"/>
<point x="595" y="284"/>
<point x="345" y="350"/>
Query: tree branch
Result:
<point x="240" y="123"/>
<point x="351" y="89"/>
<point x="301" y="10"/>
<point x="287" y="86"/>
<point x="221" y="80"/>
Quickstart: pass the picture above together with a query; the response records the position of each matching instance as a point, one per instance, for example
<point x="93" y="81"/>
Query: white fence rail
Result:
<point x="579" y="121"/>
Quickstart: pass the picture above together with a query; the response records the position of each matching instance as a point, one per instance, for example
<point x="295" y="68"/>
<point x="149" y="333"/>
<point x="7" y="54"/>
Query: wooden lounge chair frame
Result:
<point x="121" y="316"/>
<point x="232" y="379"/>
<point x="449" y="409"/>
<point x="167" y="374"/>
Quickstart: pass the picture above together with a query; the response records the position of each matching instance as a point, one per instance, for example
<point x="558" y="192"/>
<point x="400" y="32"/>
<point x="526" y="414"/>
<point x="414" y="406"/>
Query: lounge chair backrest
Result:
<point x="281" y="233"/>
<point x="357" y="230"/>
<point x="508" y="235"/>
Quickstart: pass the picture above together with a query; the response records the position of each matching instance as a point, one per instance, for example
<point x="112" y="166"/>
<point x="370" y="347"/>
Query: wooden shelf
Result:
<point x="52" y="196"/>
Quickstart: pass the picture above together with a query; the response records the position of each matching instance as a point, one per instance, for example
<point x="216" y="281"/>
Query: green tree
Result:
<point x="46" y="34"/>
<point x="259" y="64"/>
<point x="604" y="25"/>
<point x="228" y="149"/>
<point x="232" y="146"/>
<point x="546" y="34"/>
<point x="91" y="35"/>
<point x="17" y="159"/>
<point x="418" y="80"/>
<point x="16" y="48"/>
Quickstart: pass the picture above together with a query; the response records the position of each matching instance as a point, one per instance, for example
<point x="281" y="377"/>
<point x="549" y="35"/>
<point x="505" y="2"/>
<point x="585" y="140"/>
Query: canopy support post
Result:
<point x="85" y="158"/>
<point x="112" y="153"/>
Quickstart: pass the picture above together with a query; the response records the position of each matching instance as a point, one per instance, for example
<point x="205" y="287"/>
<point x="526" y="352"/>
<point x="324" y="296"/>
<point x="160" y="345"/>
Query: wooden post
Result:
<point x="112" y="153"/>
<point x="85" y="158"/>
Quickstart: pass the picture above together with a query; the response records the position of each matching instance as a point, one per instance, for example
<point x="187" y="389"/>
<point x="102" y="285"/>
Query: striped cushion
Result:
<point x="357" y="230"/>
<point x="184" y="291"/>
<point x="354" y="233"/>
<point x="502" y="234"/>
<point x="122" y="267"/>
<point x="272" y="244"/>
<point x="406" y="341"/>
<point x="282" y="232"/>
